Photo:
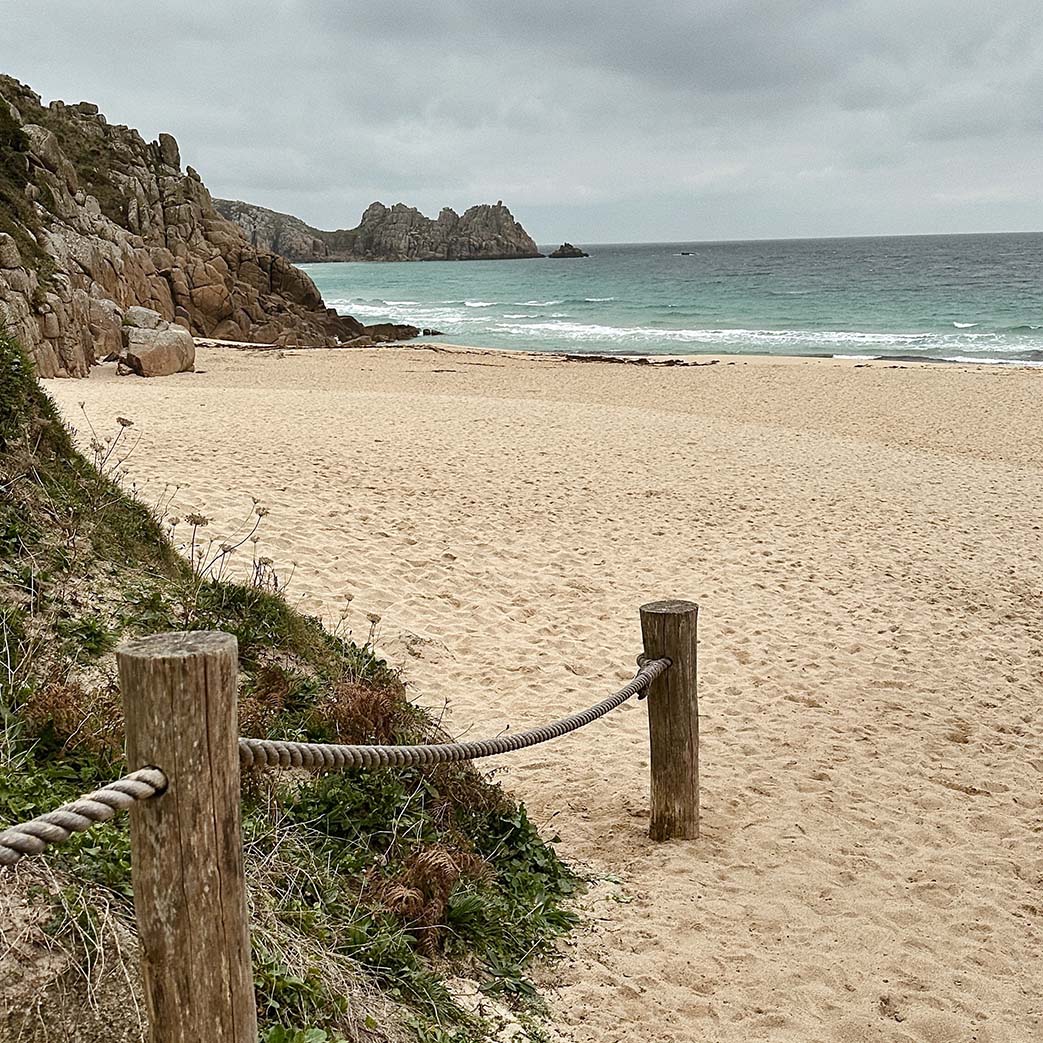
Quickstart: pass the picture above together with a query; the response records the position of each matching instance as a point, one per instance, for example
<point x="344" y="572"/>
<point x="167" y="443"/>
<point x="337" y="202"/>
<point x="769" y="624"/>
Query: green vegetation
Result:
<point x="86" y="145"/>
<point x="18" y="217"/>
<point x="92" y="155"/>
<point x="366" y="888"/>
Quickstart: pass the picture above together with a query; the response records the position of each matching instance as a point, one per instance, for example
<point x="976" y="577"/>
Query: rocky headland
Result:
<point x="94" y="220"/>
<point x="397" y="233"/>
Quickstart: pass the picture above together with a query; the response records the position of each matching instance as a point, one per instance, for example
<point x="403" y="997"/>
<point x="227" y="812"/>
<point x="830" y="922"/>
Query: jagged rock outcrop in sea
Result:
<point x="94" y="220"/>
<point x="397" y="233"/>
<point x="568" y="250"/>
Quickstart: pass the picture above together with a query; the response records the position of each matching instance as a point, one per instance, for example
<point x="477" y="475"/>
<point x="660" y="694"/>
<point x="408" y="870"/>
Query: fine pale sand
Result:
<point x="864" y="543"/>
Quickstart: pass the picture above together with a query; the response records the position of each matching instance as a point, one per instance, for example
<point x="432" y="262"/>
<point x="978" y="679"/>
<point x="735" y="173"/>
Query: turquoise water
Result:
<point x="954" y="297"/>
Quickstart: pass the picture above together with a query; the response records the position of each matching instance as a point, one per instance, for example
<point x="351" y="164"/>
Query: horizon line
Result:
<point x="791" y="238"/>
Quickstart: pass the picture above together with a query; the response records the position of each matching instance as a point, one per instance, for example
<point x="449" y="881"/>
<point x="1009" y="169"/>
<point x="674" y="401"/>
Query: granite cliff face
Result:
<point x="94" y="220"/>
<point x="278" y="233"/>
<point x="397" y="233"/>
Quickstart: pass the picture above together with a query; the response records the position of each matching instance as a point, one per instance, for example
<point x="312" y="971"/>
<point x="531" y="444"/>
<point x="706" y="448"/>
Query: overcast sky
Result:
<point x="606" y="121"/>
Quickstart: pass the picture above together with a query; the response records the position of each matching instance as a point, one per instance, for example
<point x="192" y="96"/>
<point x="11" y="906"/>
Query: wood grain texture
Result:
<point x="179" y="698"/>
<point x="669" y="629"/>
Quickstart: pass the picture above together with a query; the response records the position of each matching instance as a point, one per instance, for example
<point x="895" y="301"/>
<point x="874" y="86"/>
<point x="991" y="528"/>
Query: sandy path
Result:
<point x="865" y="547"/>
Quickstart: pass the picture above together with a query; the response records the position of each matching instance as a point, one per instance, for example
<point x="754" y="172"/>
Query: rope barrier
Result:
<point x="277" y="754"/>
<point x="34" y="836"/>
<point x="56" y="827"/>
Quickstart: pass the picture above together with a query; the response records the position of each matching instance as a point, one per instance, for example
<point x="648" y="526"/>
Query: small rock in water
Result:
<point x="568" y="250"/>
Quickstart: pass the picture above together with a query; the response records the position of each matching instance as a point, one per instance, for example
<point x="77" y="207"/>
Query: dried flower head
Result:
<point x="124" y="422"/>
<point x="260" y="511"/>
<point x="349" y="598"/>
<point x="199" y="521"/>
<point x="265" y="561"/>
<point x="175" y="522"/>
<point x="373" y="617"/>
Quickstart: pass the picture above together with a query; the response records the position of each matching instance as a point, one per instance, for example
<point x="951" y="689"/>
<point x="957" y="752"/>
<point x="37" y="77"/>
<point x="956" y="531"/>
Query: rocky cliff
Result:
<point x="94" y="219"/>
<point x="278" y="233"/>
<point x="397" y="233"/>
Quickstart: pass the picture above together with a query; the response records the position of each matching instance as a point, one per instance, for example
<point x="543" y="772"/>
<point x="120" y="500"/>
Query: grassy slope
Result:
<point x="360" y="877"/>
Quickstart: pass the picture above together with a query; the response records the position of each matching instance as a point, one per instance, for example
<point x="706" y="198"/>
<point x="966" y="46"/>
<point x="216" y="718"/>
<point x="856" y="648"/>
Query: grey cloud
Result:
<point x="595" y="121"/>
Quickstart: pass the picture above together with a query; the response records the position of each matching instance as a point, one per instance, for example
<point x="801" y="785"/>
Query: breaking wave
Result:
<point x="777" y="341"/>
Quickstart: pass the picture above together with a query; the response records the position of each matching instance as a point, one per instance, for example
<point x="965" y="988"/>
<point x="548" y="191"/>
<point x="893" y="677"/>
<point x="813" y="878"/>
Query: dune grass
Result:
<point x="366" y="888"/>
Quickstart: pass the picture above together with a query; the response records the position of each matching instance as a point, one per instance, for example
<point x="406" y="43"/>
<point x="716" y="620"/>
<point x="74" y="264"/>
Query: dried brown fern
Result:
<point x="420" y="893"/>
<point x="363" y="714"/>
<point x="78" y="716"/>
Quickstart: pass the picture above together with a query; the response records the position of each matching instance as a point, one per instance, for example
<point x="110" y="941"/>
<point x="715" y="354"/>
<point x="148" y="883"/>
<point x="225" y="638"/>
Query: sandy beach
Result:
<point x="864" y="542"/>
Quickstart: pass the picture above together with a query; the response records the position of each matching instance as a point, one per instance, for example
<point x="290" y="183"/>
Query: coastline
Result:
<point x="885" y="296"/>
<point x="860" y="537"/>
<point x="662" y="361"/>
<point x="715" y="358"/>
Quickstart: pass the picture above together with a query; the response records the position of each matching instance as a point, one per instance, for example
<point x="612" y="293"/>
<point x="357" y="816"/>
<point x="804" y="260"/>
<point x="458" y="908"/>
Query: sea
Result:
<point x="976" y="298"/>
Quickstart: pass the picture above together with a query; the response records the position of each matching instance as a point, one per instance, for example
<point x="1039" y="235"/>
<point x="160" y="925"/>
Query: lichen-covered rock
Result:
<point x="105" y="322"/>
<point x="144" y="318"/>
<point x="397" y="233"/>
<point x="95" y="221"/>
<point x="152" y="352"/>
<point x="9" y="256"/>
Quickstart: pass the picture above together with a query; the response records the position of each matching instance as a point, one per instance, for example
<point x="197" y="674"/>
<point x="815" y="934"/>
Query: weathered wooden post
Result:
<point x="669" y="629"/>
<point x="179" y="699"/>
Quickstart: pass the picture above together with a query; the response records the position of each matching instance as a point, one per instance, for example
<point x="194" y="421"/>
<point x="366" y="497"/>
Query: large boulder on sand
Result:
<point x="157" y="353"/>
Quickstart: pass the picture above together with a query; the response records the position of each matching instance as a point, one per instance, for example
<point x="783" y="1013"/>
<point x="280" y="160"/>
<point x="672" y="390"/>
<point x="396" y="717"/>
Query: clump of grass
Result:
<point x="364" y="887"/>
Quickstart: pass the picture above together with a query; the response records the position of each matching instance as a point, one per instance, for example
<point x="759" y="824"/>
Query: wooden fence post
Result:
<point x="669" y="629"/>
<point x="179" y="699"/>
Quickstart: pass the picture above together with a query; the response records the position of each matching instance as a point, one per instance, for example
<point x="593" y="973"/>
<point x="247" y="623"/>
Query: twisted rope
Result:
<point x="56" y="827"/>
<point x="274" y="753"/>
<point x="34" y="836"/>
